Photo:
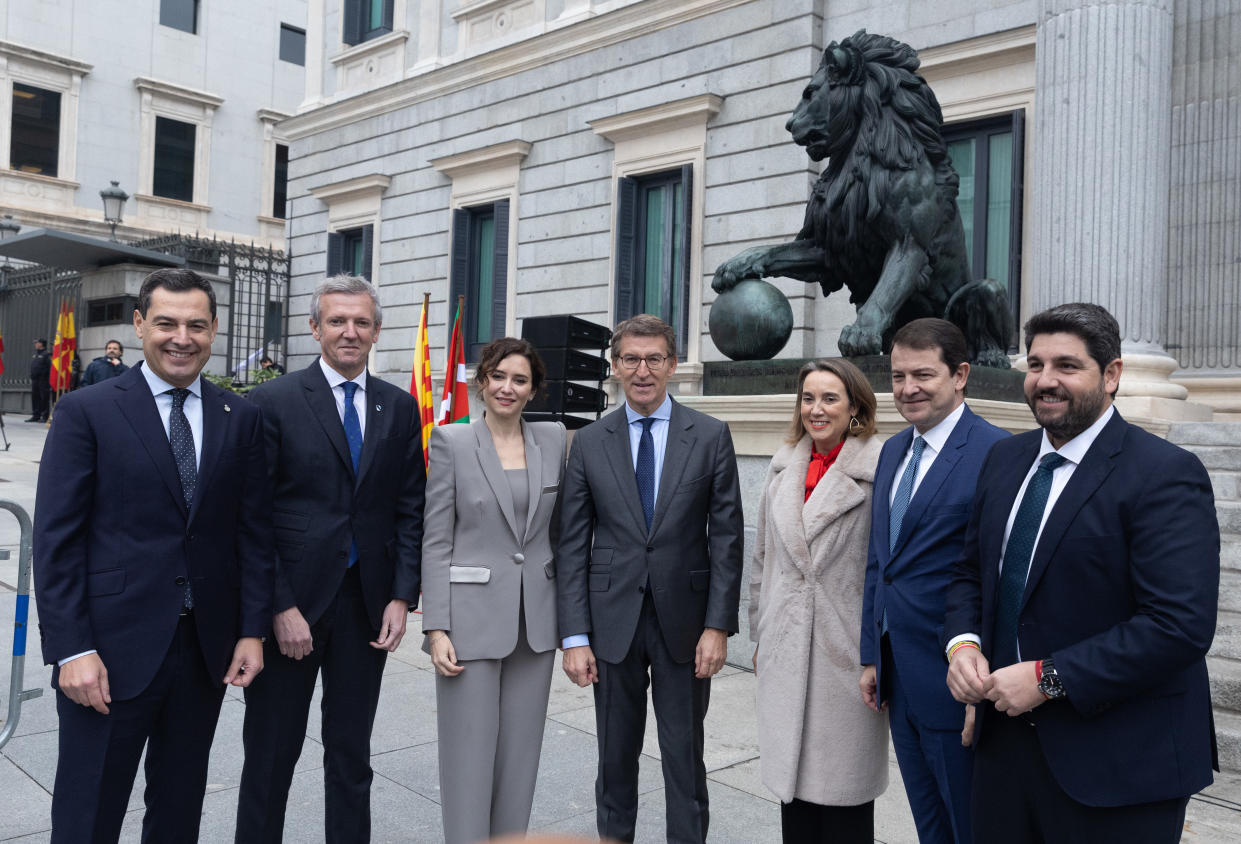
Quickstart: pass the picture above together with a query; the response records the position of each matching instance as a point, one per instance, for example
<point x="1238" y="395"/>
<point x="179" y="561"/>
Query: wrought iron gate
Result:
<point x="30" y="298"/>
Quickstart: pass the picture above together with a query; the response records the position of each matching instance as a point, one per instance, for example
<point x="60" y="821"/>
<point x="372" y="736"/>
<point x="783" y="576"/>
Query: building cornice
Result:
<point x="366" y="48"/>
<point x="31" y="54"/>
<point x="590" y="34"/>
<point x="979" y="53"/>
<point x="334" y="192"/>
<point x="507" y="154"/>
<point x="270" y="115"/>
<point x="658" y="118"/>
<point x="178" y="92"/>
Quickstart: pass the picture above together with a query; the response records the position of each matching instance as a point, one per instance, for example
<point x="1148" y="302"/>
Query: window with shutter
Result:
<point x="479" y="271"/>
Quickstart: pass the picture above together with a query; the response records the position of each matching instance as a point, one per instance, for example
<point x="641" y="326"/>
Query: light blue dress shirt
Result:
<point x="659" y="433"/>
<point x="337" y="382"/>
<point x="193" y="407"/>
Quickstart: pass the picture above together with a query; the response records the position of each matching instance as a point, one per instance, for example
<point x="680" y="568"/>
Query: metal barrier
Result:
<point x="16" y="693"/>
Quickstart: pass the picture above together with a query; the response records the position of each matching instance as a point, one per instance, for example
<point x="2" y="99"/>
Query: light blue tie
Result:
<point x="904" y="493"/>
<point x="645" y="470"/>
<point x="1017" y="556"/>
<point x="353" y="436"/>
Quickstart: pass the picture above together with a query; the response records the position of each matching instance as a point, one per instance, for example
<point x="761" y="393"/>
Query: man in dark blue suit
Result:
<point x="923" y="488"/>
<point x="1082" y="608"/>
<point x="153" y="571"/>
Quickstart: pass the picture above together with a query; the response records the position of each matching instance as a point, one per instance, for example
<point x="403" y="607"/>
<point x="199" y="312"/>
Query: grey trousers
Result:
<point x="490" y="720"/>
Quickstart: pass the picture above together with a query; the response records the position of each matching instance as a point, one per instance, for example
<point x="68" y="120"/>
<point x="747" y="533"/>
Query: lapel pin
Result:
<point x="379" y="408"/>
<point x="227" y="408"/>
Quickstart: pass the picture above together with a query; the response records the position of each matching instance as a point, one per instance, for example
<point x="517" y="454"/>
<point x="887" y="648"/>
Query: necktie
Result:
<point x="353" y="436"/>
<point x="646" y="470"/>
<point x="181" y="438"/>
<point x="1016" y="564"/>
<point x="904" y="493"/>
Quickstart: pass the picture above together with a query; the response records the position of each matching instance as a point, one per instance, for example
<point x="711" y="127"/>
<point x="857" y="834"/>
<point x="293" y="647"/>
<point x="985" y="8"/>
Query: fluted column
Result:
<point x="1103" y="169"/>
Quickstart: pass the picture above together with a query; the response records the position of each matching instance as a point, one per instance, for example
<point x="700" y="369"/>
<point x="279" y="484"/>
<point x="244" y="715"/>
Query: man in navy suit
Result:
<point x="923" y="487"/>
<point x="152" y="571"/>
<point x="344" y="450"/>
<point x="1082" y="608"/>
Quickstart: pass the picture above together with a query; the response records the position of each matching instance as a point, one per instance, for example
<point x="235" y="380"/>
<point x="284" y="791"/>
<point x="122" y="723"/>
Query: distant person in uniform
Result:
<point x="40" y="387"/>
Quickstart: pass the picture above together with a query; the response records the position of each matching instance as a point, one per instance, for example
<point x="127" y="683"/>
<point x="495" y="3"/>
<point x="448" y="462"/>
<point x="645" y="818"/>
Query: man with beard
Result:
<point x="106" y="366"/>
<point x="1082" y="608"/>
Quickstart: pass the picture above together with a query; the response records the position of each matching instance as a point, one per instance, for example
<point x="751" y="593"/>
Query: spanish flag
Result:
<point x="420" y="383"/>
<point x="62" y="350"/>
<point x="455" y="404"/>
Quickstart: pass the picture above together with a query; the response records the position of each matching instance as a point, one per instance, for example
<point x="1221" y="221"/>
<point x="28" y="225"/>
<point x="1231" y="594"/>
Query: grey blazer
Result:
<point x="477" y="561"/>
<point x="691" y="556"/>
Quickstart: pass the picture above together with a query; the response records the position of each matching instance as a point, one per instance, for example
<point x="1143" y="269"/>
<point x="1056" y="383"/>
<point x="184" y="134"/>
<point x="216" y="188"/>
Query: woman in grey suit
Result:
<point x="489" y="596"/>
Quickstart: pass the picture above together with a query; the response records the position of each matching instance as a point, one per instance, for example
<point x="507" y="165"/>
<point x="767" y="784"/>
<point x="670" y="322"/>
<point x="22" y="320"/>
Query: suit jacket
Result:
<point x="319" y="506"/>
<point x="1122" y="594"/>
<point x="114" y="542"/>
<point x="690" y="557"/>
<point x="480" y="565"/>
<point x="910" y="581"/>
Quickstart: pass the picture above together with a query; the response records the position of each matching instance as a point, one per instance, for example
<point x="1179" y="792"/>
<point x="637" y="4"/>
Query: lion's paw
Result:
<point x="856" y="341"/>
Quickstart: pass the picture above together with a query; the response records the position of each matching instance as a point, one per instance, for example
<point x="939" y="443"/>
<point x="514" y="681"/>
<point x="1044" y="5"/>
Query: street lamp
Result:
<point x="8" y="227"/>
<point x="113" y="204"/>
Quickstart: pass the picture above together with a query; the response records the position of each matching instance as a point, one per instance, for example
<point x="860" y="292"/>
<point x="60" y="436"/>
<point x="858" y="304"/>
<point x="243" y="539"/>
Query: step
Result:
<point x="1205" y="433"/>
<point x="1230" y="590"/>
<point x="1225" y="683"/>
<point x="1227" y="485"/>
<point x="1227" y="641"/>
<point x="1228" y="738"/>
<point x="1218" y="457"/>
<point x="1229" y="515"/>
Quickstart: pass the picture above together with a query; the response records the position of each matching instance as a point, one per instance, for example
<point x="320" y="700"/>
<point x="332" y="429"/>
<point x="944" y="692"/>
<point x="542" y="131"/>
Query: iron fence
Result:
<point x="30" y="298"/>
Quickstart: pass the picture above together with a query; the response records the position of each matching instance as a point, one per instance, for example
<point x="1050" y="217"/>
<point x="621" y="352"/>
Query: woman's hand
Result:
<point x="443" y="655"/>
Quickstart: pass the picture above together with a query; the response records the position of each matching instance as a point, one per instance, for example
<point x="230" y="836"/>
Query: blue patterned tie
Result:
<point x="646" y="470"/>
<point x="904" y="493"/>
<point x="181" y="438"/>
<point x="1017" y="560"/>
<point x="353" y="436"/>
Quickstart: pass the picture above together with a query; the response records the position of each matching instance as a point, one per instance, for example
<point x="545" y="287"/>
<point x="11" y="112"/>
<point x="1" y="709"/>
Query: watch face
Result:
<point x="1050" y="685"/>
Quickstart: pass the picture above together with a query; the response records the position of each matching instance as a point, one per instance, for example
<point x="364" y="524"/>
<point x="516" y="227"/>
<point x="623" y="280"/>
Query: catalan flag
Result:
<point x="62" y="349"/>
<point x="455" y="404"/>
<point x="420" y="382"/>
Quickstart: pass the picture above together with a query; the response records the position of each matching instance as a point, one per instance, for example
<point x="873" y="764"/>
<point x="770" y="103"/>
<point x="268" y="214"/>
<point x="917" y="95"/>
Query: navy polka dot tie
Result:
<point x="182" y="440"/>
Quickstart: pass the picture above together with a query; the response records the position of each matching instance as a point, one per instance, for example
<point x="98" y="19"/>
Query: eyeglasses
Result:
<point x="653" y="362"/>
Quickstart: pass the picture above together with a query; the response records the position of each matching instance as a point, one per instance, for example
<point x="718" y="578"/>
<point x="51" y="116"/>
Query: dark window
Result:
<point x="366" y="19"/>
<point x="174" y="159"/>
<point x="292" y="44"/>
<point x="115" y="311"/>
<point x="480" y="273"/>
<point x="653" y="249"/>
<point x="179" y="14"/>
<point x="987" y="155"/>
<point x="273" y="324"/>
<point x="281" y="188"/>
<point x="349" y="252"/>
<point x="36" y="130"/>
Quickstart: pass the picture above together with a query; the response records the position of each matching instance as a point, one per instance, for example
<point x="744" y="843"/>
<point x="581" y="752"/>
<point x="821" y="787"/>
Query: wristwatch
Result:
<point x="1049" y="681"/>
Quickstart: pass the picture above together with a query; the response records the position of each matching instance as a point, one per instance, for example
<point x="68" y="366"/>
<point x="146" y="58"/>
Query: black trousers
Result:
<point x="40" y="398"/>
<point x="1017" y="800"/>
<point x="680" y="701"/>
<point x="802" y="822"/>
<point x="278" y="706"/>
<point x="174" y="718"/>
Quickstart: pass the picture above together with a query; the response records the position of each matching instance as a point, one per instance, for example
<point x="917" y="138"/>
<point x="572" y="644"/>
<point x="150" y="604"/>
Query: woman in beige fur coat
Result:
<point x="824" y="753"/>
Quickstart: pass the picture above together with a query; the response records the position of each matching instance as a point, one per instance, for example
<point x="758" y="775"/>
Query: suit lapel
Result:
<point x="138" y="406"/>
<point x="836" y="493"/>
<point x="885" y="478"/>
<point x="789" y="495"/>
<point x="493" y="471"/>
<point x="679" y="444"/>
<point x="215" y="420"/>
<point x="323" y="408"/>
<point x="620" y="458"/>
<point x="1093" y="470"/>
<point x="377" y="416"/>
<point x="935" y="477"/>
<point x="534" y="477"/>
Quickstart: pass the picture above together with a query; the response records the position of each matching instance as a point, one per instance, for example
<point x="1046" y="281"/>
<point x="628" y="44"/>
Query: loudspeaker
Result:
<point x="571" y="422"/>
<point x="564" y="331"/>
<point x="567" y="397"/>
<point x="572" y="365"/>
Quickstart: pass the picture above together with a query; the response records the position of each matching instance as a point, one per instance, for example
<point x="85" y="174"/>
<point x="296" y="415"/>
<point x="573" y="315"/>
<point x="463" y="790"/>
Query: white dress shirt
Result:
<point x="935" y="440"/>
<point x="337" y="382"/>
<point x="1073" y="452"/>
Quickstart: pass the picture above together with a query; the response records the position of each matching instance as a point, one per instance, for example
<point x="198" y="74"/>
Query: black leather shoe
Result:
<point x="33" y="419"/>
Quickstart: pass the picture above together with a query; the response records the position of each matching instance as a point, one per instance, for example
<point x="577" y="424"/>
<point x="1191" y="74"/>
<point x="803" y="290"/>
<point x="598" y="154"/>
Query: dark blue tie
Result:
<point x="646" y="470"/>
<point x="1017" y="556"/>
<point x="181" y="438"/>
<point x="904" y="493"/>
<point x="353" y="436"/>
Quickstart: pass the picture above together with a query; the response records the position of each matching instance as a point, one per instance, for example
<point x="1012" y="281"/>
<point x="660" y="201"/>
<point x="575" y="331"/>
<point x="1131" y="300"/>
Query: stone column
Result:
<point x="1101" y="178"/>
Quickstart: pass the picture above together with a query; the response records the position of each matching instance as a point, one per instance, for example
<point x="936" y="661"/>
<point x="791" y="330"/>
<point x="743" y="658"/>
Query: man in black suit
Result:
<point x="40" y="387"/>
<point x="153" y="571"/>
<point x="344" y="452"/>
<point x="1082" y="608"/>
<point x="649" y="564"/>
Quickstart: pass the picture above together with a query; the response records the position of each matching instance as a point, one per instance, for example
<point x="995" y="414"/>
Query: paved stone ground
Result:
<point x="406" y="792"/>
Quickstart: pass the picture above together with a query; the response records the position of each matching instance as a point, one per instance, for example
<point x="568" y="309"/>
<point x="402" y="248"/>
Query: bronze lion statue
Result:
<point x="882" y="219"/>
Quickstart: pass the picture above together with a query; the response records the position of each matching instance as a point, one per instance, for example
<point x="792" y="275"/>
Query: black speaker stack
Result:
<point x="573" y="351"/>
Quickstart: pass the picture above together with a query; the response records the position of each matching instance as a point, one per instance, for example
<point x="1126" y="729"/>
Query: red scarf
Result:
<point x="819" y="464"/>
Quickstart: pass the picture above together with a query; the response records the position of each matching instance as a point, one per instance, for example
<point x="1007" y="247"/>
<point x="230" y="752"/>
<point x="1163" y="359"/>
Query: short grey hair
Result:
<point x="344" y="283"/>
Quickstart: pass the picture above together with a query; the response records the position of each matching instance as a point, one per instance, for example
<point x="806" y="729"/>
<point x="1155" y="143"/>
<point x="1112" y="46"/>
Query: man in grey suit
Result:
<point x="649" y="564"/>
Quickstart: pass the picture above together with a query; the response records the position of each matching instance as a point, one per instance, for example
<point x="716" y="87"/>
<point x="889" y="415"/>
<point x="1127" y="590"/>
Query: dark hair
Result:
<point x="265" y="359"/>
<point x="1096" y="327"/>
<point x="857" y="389"/>
<point x="174" y="281"/>
<point x="497" y="350"/>
<point x="41" y="340"/>
<point x="933" y="333"/>
<point x="117" y="342"/>
<point x="644" y="325"/>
